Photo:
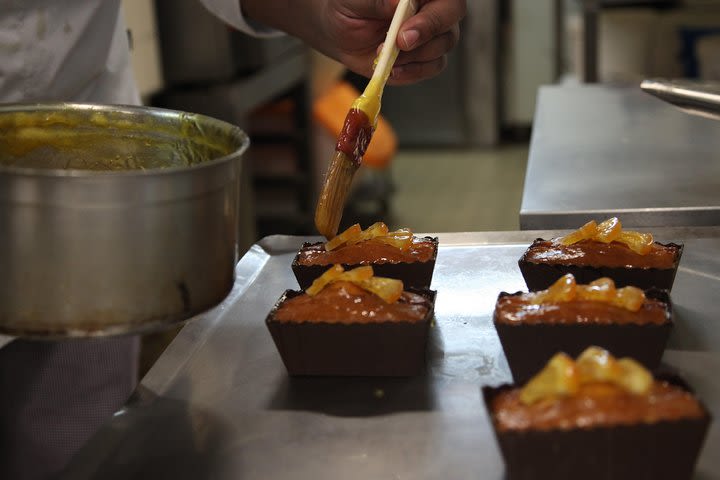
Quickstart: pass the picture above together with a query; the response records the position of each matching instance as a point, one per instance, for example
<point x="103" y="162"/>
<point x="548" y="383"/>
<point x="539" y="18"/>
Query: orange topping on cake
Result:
<point x="610" y="231"/>
<point x="564" y="377"/>
<point x="401" y="238"/>
<point x="558" y="378"/>
<point x="388" y="289"/>
<point x="600" y="290"/>
<point x="586" y="232"/>
<point x="377" y="229"/>
<point x="341" y="239"/>
<point x="640" y="243"/>
<point x="333" y="273"/>
<point x="565" y="289"/>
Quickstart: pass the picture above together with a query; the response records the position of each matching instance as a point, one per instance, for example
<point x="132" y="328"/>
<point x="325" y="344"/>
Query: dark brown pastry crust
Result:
<point x="352" y="349"/>
<point x="528" y="347"/>
<point x="412" y="274"/>
<point x="665" y="450"/>
<point x="539" y="276"/>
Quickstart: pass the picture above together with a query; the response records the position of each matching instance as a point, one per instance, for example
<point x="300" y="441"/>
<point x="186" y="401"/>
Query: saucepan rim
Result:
<point x="162" y="114"/>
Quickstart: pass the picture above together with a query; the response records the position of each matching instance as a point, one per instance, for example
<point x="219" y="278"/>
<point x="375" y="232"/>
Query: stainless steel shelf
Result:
<point x="600" y="151"/>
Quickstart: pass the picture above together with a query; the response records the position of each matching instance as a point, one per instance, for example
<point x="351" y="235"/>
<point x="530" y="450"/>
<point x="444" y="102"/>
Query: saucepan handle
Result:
<point x="695" y="97"/>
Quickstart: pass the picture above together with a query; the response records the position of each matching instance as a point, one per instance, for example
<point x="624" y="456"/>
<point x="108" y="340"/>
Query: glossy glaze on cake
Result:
<point x="345" y="302"/>
<point x="413" y="266"/>
<point x="596" y="405"/>
<point x="546" y="260"/>
<point x="597" y="254"/>
<point x="518" y="309"/>
<point x="368" y="252"/>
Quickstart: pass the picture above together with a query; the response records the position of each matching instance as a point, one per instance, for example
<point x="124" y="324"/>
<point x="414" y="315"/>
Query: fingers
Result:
<point x="368" y="9"/>
<point x="434" y="18"/>
<point x="424" y="39"/>
<point x="424" y="61"/>
<point x="431" y="50"/>
<point x="415" y="72"/>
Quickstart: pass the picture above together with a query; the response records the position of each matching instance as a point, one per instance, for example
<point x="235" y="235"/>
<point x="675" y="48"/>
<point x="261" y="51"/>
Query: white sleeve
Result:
<point x="230" y="12"/>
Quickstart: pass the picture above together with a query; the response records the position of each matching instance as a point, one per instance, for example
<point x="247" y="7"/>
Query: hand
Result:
<point x="351" y="31"/>
<point x="424" y="54"/>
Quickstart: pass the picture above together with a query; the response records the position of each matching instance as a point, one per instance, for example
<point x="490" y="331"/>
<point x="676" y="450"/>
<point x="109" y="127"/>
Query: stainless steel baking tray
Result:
<point x="219" y="404"/>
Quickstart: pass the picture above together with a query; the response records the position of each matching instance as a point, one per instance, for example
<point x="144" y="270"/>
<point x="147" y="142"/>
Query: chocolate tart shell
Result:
<point x="412" y="274"/>
<point x="539" y="276"/>
<point x="664" y="450"/>
<point x="384" y="349"/>
<point x="528" y="347"/>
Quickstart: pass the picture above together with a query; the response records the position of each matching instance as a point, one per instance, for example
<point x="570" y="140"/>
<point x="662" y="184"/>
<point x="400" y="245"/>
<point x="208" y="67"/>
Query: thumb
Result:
<point x="434" y="17"/>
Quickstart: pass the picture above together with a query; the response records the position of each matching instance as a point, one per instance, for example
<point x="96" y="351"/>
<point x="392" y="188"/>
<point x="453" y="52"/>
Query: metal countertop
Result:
<point x="600" y="151"/>
<point x="218" y="403"/>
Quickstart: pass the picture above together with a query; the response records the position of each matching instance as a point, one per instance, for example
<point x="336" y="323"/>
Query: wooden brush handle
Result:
<point x="390" y="50"/>
<point x="369" y="101"/>
<point x="357" y="131"/>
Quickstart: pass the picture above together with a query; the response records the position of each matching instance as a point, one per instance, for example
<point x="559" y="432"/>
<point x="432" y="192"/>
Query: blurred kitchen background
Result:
<point x="453" y="156"/>
<point x="453" y="153"/>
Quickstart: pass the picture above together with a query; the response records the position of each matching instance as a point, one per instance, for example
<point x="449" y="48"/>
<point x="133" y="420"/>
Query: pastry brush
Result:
<point x="357" y="131"/>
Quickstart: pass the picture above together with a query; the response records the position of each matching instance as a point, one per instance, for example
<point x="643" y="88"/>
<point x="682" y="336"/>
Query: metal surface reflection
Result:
<point x="219" y="404"/>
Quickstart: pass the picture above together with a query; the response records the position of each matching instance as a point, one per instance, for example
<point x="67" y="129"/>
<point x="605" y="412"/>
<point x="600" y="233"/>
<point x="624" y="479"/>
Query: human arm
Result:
<point x="351" y="31"/>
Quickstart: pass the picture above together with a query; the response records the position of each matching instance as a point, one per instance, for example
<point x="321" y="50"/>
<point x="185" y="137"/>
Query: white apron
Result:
<point x="55" y="395"/>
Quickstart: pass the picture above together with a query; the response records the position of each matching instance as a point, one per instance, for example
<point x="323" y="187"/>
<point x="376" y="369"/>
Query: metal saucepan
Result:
<point x="114" y="219"/>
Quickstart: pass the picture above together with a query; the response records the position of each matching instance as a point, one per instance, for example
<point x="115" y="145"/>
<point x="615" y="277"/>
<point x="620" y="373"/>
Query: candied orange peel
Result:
<point x="377" y="229"/>
<point x="565" y="289"/>
<point x="600" y="290"/>
<point x="342" y="238"/>
<point x="596" y="365"/>
<point x="401" y="238"/>
<point x="586" y="232"/>
<point x="563" y="376"/>
<point x="558" y="378"/>
<point x="388" y="289"/>
<point x="630" y="298"/>
<point x="328" y="276"/>
<point x="608" y="231"/>
<point x="640" y="243"/>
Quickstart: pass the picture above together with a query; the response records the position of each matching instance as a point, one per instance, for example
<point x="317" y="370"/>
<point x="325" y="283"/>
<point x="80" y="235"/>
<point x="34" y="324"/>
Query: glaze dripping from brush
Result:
<point x="355" y="135"/>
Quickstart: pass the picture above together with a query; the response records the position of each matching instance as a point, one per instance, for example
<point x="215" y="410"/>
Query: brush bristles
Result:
<point x="334" y="193"/>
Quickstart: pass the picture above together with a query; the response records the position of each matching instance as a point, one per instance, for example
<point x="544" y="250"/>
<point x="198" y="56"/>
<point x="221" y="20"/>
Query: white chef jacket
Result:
<point x="77" y="50"/>
<point x="55" y="395"/>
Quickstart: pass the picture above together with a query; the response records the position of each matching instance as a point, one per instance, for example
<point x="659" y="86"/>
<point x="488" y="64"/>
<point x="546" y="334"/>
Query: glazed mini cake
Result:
<point x="351" y="323"/>
<point x="604" y="250"/>
<point x="597" y="418"/>
<point x="397" y="254"/>
<point x="569" y="317"/>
